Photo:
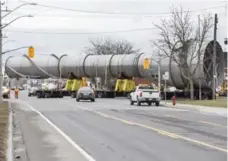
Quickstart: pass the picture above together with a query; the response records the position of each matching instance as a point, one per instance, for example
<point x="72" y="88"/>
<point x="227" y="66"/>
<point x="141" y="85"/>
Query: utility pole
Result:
<point x="159" y="75"/>
<point x="200" y="58"/>
<point x="165" y="91"/>
<point x="1" y="75"/>
<point x="214" y="58"/>
<point x="1" y="28"/>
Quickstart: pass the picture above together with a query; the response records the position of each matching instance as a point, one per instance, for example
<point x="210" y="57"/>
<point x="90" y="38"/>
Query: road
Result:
<point x="112" y="130"/>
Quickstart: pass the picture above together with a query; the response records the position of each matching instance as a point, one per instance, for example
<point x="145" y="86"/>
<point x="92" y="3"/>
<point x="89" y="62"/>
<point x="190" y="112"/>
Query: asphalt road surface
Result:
<point x="113" y="130"/>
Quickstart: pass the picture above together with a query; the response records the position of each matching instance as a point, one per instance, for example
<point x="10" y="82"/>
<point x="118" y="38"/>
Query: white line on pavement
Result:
<point x="160" y="131"/>
<point x="76" y="146"/>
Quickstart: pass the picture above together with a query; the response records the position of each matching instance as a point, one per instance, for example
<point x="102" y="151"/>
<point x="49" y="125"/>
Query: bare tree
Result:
<point x="183" y="43"/>
<point x="109" y="47"/>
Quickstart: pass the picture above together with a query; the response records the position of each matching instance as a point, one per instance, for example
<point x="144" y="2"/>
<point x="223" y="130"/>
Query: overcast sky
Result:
<point x="51" y="21"/>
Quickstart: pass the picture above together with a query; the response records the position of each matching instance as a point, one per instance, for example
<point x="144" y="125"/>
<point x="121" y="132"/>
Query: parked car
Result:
<point x="5" y="92"/>
<point x="145" y="94"/>
<point x="85" y="93"/>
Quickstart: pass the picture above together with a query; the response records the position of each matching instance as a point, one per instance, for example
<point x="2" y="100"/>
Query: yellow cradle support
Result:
<point x="75" y="84"/>
<point x="124" y="85"/>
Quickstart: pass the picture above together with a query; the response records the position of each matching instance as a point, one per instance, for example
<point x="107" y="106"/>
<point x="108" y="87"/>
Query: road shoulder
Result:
<point x="35" y="140"/>
<point x="203" y="109"/>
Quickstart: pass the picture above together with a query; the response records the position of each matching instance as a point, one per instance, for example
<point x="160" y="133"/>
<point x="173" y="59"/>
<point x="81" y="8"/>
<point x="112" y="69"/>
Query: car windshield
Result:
<point x="85" y="89"/>
<point x="146" y="87"/>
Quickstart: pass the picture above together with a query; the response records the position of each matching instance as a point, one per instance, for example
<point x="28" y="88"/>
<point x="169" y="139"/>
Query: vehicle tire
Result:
<point x="138" y="103"/>
<point x="46" y="95"/>
<point x="29" y="94"/>
<point x="128" y="95"/>
<point x="149" y="103"/>
<point x="157" y="103"/>
<point x="100" y="94"/>
<point x="77" y="100"/>
<point x="73" y="95"/>
<point x="92" y="100"/>
<point x="38" y="95"/>
<point x="131" y="102"/>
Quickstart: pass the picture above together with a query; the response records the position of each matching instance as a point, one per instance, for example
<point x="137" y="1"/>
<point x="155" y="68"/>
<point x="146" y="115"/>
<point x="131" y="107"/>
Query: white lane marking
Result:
<point x="76" y="146"/>
<point x="163" y="132"/>
<point x="213" y="114"/>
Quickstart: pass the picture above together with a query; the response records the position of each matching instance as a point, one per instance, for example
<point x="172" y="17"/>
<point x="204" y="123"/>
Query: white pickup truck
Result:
<point x="145" y="94"/>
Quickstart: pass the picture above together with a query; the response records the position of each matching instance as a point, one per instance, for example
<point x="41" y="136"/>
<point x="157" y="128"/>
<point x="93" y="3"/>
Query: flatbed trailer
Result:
<point x="205" y="94"/>
<point x="49" y="94"/>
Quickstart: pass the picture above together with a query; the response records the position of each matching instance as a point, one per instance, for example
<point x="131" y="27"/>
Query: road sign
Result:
<point x="31" y="52"/>
<point x="146" y="63"/>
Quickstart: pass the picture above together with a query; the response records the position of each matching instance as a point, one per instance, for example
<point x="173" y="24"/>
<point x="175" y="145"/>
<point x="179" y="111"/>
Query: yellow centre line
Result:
<point x="203" y="122"/>
<point x="159" y="131"/>
<point x="211" y="123"/>
<point x="163" y="132"/>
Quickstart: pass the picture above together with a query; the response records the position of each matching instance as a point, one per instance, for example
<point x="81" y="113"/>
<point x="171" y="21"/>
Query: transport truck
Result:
<point x="122" y="68"/>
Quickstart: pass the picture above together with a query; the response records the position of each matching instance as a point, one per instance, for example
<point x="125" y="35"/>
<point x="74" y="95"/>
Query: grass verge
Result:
<point x="219" y="102"/>
<point x="4" y="113"/>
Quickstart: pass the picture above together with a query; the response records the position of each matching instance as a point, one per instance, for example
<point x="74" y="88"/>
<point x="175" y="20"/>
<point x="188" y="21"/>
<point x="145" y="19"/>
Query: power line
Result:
<point x="81" y="33"/>
<point x="121" y="13"/>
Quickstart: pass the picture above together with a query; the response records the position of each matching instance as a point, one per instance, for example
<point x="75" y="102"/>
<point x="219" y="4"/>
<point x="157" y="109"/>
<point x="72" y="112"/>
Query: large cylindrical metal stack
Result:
<point x="204" y="71"/>
<point x="104" y="65"/>
<point x="41" y="66"/>
<point x="115" y="66"/>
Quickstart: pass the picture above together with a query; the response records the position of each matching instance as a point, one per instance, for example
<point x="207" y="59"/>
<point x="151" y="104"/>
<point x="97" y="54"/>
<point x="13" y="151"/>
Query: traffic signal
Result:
<point x="146" y="63"/>
<point x="31" y="52"/>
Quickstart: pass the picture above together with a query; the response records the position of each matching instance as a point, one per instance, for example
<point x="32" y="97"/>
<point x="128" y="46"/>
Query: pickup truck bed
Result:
<point x="144" y="95"/>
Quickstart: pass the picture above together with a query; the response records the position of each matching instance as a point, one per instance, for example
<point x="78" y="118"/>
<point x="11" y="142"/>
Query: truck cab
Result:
<point x="145" y="94"/>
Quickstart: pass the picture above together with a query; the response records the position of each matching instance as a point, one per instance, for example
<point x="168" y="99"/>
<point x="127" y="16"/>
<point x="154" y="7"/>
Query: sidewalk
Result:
<point x="4" y="129"/>
<point x="204" y="109"/>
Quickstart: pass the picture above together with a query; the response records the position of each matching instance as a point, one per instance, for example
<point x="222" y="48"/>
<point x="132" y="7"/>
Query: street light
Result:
<point x="7" y="41"/>
<point x="1" y="28"/>
<point x="25" y="4"/>
<point x="7" y="51"/>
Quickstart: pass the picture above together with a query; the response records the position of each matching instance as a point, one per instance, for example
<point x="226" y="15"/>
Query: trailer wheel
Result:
<point x="38" y="95"/>
<point x="60" y="95"/>
<point x="73" y="95"/>
<point x="100" y="94"/>
<point x="46" y="95"/>
<point x="128" y="95"/>
<point x="157" y="103"/>
<point x="138" y="103"/>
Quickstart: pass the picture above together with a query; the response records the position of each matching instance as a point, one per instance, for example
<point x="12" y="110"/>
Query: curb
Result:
<point x="204" y="109"/>
<point x="190" y="106"/>
<point x="9" y="156"/>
